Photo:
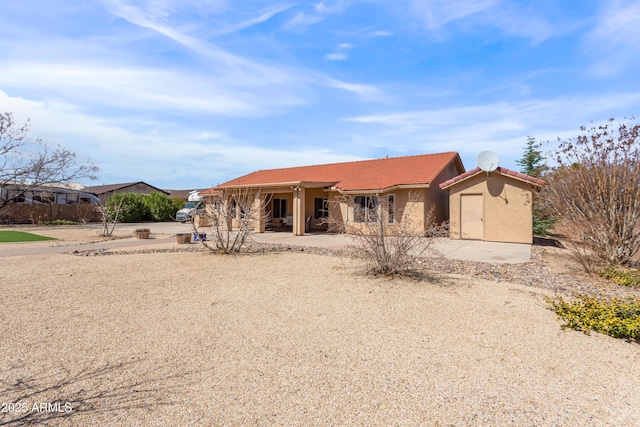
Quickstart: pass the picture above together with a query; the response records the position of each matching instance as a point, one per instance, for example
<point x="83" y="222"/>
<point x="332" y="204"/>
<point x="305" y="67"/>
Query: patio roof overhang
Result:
<point x="383" y="190"/>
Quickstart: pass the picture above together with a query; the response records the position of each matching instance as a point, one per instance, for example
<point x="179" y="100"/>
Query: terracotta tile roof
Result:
<point x="501" y="170"/>
<point x="378" y="174"/>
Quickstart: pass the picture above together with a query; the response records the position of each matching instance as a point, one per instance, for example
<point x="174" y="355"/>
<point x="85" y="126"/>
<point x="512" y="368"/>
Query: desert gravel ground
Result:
<point x="293" y="338"/>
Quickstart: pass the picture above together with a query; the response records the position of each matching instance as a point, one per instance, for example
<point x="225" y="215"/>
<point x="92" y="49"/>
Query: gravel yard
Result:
<point x="290" y="338"/>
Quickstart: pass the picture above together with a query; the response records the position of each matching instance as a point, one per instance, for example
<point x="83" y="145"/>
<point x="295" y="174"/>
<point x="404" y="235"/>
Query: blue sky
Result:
<point x="191" y="93"/>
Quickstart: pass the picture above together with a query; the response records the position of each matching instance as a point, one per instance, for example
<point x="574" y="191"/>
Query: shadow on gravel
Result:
<point x="547" y="241"/>
<point x="65" y="394"/>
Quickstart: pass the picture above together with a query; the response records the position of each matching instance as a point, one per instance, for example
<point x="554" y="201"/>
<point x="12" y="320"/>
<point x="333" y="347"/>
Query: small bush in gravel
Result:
<point x="622" y="276"/>
<point x="617" y="317"/>
<point x="389" y="250"/>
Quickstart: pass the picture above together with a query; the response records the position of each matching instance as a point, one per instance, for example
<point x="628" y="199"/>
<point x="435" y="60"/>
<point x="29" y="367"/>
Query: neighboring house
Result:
<point x="105" y="191"/>
<point x="182" y="194"/>
<point x="494" y="206"/>
<point x="302" y="196"/>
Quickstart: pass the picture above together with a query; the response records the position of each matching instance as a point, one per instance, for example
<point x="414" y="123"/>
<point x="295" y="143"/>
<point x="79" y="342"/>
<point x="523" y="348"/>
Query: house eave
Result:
<point x="383" y="190"/>
<point x="276" y="185"/>
<point x="508" y="175"/>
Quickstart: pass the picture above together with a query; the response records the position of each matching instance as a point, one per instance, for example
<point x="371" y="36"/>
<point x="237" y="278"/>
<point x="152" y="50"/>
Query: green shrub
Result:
<point x="133" y="208"/>
<point x="178" y="203"/>
<point x="160" y="207"/>
<point x="621" y="276"/>
<point x="542" y="223"/>
<point x="60" y="222"/>
<point x="619" y="318"/>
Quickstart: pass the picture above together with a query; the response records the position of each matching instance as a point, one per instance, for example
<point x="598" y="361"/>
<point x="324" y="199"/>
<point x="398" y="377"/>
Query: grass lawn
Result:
<point x="21" y="236"/>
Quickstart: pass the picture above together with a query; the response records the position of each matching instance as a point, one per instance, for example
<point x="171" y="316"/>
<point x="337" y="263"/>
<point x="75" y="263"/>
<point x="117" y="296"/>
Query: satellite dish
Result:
<point x="488" y="161"/>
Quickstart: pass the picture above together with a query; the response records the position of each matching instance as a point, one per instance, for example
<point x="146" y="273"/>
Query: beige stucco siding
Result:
<point x="507" y="212"/>
<point x="434" y="195"/>
<point x="403" y="206"/>
<point x="310" y="196"/>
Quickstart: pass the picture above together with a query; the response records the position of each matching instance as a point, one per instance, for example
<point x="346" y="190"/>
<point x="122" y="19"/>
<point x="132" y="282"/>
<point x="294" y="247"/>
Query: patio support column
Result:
<point x="258" y="208"/>
<point x="298" y="211"/>
<point x="227" y="209"/>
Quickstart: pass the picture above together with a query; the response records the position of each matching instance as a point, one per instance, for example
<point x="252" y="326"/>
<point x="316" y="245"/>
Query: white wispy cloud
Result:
<point x="302" y="20"/>
<point x="170" y="152"/>
<point x="359" y="89"/>
<point x="266" y="15"/>
<point x="501" y="126"/>
<point x="332" y="7"/>
<point x="438" y="13"/>
<point x="613" y="42"/>
<point x="337" y="56"/>
<point x="510" y="18"/>
<point x="239" y="71"/>
<point x="140" y="88"/>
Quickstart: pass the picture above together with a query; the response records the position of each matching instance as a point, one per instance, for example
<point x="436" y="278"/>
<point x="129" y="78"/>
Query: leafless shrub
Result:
<point x="230" y="219"/>
<point x="595" y="191"/>
<point x="392" y="241"/>
<point x="29" y="163"/>
<point x="109" y="216"/>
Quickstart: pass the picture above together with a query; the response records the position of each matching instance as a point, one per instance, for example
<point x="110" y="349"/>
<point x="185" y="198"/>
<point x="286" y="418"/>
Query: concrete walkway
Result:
<point x="163" y="233"/>
<point x="469" y="250"/>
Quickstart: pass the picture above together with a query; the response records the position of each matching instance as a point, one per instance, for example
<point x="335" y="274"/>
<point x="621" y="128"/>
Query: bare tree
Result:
<point x="27" y="163"/>
<point x="110" y="215"/>
<point x="595" y="191"/>
<point x="230" y="219"/>
<point x="391" y="241"/>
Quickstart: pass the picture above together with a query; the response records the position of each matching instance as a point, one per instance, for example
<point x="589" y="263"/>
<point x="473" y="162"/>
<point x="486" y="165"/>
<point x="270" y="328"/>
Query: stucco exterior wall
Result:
<point x="310" y="195"/>
<point x="434" y="195"/>
<point x="507" y="206"/>
<point x="414" y="210"/>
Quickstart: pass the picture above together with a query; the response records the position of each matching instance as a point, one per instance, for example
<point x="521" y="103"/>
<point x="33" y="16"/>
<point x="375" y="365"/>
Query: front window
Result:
<point x="321" y="208"/>
<point x="365" y="208"/>
<point x="279" y="208"/>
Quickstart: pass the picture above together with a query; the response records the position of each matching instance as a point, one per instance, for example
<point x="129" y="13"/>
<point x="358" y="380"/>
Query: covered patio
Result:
<point x="296" y="207"/>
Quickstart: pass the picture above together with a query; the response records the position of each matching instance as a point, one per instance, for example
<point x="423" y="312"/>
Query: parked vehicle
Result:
<point x="46" y="195"/>
<point x="195" y="202"/>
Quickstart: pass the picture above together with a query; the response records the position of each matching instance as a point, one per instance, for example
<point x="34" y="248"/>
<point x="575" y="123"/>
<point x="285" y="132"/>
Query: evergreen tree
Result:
<point x="533" y="163"/>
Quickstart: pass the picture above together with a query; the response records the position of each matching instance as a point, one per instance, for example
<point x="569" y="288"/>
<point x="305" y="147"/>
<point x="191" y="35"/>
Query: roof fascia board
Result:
<point x="277" y="185"/>
<point x="384" y="190"/>
<point x="535" y="184"/>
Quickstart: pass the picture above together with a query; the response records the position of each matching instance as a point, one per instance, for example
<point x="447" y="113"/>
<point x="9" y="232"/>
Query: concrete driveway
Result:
<point x="470" y="250"/>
